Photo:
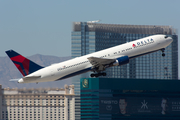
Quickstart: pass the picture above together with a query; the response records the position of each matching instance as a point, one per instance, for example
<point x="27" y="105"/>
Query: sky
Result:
<point x="44" y="26"/>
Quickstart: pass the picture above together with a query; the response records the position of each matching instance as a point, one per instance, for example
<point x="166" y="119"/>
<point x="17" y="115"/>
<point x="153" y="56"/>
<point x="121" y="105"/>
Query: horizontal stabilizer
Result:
<point x="30" y="77"/>
<point x="14" y="79"/>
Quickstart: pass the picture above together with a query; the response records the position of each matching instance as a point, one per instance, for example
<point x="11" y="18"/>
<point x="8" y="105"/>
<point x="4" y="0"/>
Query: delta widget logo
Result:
<point x="134" y="45"/>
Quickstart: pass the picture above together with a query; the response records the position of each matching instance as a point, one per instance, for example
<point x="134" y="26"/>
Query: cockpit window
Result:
<point x="166" y="36"/>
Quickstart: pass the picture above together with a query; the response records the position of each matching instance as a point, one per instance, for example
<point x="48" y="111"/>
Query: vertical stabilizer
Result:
<point x="24" y="65"/>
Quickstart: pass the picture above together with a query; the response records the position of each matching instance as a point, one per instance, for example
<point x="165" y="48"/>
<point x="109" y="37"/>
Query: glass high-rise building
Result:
<point x="90" y="37"/>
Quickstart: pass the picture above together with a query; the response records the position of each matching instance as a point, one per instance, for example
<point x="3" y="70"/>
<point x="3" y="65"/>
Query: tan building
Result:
<point x="37" y="104"/>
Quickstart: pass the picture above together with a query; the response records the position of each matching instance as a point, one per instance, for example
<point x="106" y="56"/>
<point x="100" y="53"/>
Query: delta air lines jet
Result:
<point x="96" y="62"/>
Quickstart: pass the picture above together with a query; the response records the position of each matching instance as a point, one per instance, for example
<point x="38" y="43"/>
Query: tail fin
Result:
<point x="24" y="65"/>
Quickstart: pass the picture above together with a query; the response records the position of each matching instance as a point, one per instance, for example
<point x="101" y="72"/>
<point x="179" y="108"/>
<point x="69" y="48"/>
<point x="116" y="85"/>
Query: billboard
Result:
<point x="128" y="106"/>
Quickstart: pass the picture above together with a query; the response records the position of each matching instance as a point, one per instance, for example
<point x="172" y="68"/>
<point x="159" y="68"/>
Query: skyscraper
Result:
<point x="88" y="37"/>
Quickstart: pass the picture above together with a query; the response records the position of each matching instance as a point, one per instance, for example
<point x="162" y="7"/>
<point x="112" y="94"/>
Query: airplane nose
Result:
<point x="170" y="39"/>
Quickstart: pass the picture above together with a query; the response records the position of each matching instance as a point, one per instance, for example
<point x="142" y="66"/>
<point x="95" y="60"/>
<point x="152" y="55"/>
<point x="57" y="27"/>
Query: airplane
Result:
<point x="96" y="62"/>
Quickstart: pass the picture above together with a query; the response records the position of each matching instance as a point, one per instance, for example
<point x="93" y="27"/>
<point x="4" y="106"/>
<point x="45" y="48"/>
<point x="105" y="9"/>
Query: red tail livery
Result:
<point x="24" y="65"/>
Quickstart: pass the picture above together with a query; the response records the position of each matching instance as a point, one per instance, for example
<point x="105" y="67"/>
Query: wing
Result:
<point x="100" y="61"/>
<point x="99" y="64"/>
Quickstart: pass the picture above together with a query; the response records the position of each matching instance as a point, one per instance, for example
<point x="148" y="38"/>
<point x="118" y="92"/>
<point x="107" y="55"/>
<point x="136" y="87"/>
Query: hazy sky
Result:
<point x="44" y="26"/>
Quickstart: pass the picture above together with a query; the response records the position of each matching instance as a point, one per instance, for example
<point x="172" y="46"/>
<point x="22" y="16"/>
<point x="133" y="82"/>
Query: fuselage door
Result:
<point x="52" y="72"/>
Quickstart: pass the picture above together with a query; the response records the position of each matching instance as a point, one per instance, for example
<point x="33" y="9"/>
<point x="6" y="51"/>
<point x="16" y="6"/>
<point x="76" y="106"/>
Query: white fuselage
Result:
<point x="81" y="64"/>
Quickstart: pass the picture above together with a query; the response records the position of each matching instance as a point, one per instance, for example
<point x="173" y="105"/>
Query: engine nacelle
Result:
<point x="121" y="61"/>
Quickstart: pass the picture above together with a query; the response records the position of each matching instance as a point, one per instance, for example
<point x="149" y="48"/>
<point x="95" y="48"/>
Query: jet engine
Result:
<point x="121" y="61"/>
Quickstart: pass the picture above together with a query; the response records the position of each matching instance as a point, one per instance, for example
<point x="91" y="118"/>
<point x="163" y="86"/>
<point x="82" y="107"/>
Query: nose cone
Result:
<point x="169" y="39"/>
